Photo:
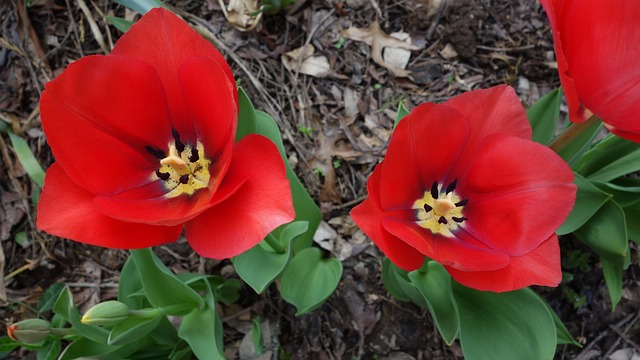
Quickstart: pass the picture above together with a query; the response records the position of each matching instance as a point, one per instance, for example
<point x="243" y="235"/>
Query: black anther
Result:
<point x="442" y="220"/>
<point x="434" y="190"/>
<point x="459" y="219"/>
<point x="179" y="144"/>
<point x="194" y="155"/>
<point x="452" y="186"/>
<point x="462" y="202"/>
<point x="162" y="176"/>
<point x="427" y="208"/>
<point x="184" y="179"/>
<point x="155" y="152"/>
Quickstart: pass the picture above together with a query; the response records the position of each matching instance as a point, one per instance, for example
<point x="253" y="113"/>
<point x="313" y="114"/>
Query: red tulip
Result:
<point x="144" y="141"/>
<point x="596" y="46"/>
<point x="463" y="184"/>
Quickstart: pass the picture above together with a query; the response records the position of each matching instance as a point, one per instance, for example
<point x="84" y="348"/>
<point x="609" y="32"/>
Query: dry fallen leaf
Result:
<point x="303" y="61"/>
<point x="397" y="57"/>
<point x="378" y="40"/>
<point x="243" y="15"/>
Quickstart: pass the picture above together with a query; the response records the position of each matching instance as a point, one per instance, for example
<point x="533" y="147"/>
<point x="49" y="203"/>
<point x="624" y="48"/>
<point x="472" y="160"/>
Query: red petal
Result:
<point x="496" y="110"/>
<point x="422" y="149"/>
<point x="629" y="135"/>
<point x="539" y="267"/>
<point x="99" y="115"/>
<point x="164" y="41"/>
<point x="262" y="203"/>
<point x="66" y="210"/>
<point x="213" y="110"/>
<point x="368" y="216"/>
<point x="595" y="44"/>
<point x="519" y="193"/>
<point x="462" y="252"/>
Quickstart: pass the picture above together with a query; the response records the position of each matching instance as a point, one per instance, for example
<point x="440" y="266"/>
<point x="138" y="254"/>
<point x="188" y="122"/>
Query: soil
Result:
<point x="335" y="127"/>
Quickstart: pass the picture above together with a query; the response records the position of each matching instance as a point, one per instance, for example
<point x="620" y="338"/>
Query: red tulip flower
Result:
<point x="463" y="184"/>
<point x="596" y="46"/>
<point x="144" y="141"/>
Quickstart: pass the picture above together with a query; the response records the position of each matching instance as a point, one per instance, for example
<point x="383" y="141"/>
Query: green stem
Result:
<point x="566" y="137"/>
<point x="275" y="244"/>
<point x="63" y="331"/>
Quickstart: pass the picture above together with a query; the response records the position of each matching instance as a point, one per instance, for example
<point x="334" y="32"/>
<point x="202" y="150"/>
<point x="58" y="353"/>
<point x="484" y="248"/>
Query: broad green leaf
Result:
<point x="120" y="23"/>
<point x="162" y="288"/>
<point x="84" y="348"/>
<point x="543" y="116"/>
<point x="202" y="329"/>
<point x="261" y="265"/>
<point x="129" y="284"/>
<point x="66" y="308"/>
<point x="435" y="285"/>
<point x="7" y="344"/>
<point x="28" y="161"/>
<point x="256" y="336"/>
<point x="50" y="297"/>
<point x="224" y="290"/>
<point x="563" y="335"/>
<point x="612" y="271"/>
<point x="133" y="329"/>
<point x="165" y="333"/>
<point x="625" y="191"/>
<point x="402" y="112"/>
<point x="306" y="209"/>
<point x="605" y="233"/>
<point x="141" y="6"/>
<point x="572" y="152"/>
<point x="510" y="325"/>
<point x="398" y="284"/>
<point x="633" y="225"/>
<point x="50" y="350"/>
<point x="589" y="199"/>
<point x="246" y="116"/>
<point x="610" y="158"/>
<point x="309" y="279"/>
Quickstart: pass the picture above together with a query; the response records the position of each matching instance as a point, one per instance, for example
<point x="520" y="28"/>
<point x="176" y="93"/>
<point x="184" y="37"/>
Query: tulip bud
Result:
<point x="30" y="331"/>
<point x="108" y="313"/>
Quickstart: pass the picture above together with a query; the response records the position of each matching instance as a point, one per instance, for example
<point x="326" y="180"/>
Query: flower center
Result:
<point x="440" y="209"/>
<point x="184" y="170"/>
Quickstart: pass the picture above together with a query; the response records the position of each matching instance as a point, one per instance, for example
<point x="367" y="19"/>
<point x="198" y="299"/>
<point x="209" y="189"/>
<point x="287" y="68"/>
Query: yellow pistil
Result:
<point x="184" y="172"/>
<point x="441" y="214"/>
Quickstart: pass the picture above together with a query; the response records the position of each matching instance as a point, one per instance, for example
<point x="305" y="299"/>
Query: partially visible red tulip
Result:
<point x="596" y="45"/>
<point x="463" y="184"/>
<point x="144" y="141"/>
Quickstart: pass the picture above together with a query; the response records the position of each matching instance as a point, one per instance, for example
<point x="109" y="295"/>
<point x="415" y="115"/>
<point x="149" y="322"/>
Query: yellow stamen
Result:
<point x="440" y="214"/>
<point x="175" y="161"/>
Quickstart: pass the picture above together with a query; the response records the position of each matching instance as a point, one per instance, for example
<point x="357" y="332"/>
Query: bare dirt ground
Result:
<point x="335" y="124"/>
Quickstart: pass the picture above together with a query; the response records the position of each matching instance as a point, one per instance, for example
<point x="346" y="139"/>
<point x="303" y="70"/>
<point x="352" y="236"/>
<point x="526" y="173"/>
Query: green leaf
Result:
<point x="402" y="112"/>
<point x="162" y="288"/>
<point x="202" y="330"/>
<point x="50" y="297"/>
<point x="306" y="209"/>
<point x="633" y="225"/>
<point x="129" y="284"/>
<point x="133" y="328"/>
<point x="66" y="308"/>
<point x="120" y="23"/>
<point x="610" y="158"/>
<point x="26" y="158"/>
<point x="246" y="116"/>
<point x="435" y="285"/>
<point x="50" y="350"/>
<point x="612" y="271"/>
<point x="605" y="233"/>
<point x="309" y="279"/>
<point x="256" y="336"/>
<point x="510" y="325"/>
<point x="572" y="152"/>
<point x="563" y="335"/>
<point x="84" y="348"/>
<point x="398" y="284"/>
<point x="589" y="199"/>
<point x="141" y="6"/>
<point x="7" y="344"/>
<point x="261" y="265"/>
<point x="543" y="116"/>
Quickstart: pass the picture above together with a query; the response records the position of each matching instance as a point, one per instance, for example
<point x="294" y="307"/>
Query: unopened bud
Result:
<point x="108" y="313"/>
<point x="30" y="331"/>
